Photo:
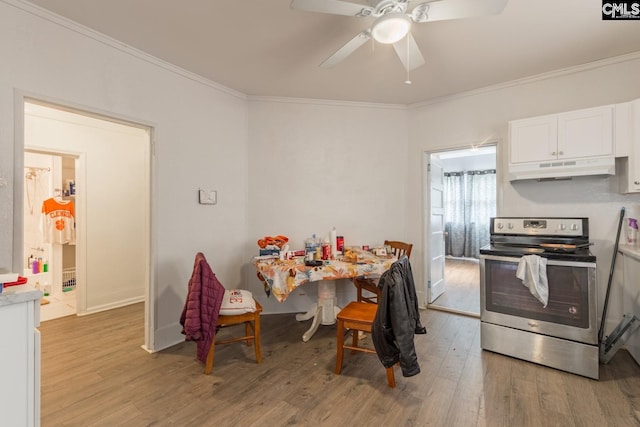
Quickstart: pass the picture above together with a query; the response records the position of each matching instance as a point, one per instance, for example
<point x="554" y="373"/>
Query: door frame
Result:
<point x="430" y="212"/>
<point x="20" y="97"/>
<point x="81" y="301"/>
<point x="426" y="211"/>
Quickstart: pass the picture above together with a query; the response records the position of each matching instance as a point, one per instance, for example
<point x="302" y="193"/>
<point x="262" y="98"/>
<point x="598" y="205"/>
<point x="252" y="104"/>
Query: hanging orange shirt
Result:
<point x="58" y="221"/>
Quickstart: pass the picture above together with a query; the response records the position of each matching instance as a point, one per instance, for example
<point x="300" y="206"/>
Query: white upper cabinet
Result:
<point x="586" y="133"/>
<point x="628" y="129"/>
<point x="564" y="145"/>
<point x="533" y="140"/>
<point x="571" y="135"/>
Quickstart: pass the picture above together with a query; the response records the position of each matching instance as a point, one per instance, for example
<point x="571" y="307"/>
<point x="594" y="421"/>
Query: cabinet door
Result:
<point x="634" y="152"/>
<point x="631" y="300"/>
<point x="16" y="387"/>
<point x="533" y="140"/>
<point x="586" y="133"/>
<point x="627" y="136"/>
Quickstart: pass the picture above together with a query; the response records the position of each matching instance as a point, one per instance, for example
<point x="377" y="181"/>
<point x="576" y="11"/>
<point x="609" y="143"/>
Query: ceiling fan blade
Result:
<point x="409" y="53"/>
<point x="347" y="49"/>
<point x="335" y="7"/>
<point x="440" y="10"/>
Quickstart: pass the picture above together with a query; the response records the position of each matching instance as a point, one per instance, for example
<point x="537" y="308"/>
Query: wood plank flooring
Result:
<point x="94" y="373"/>
<point x="462" y="288"/>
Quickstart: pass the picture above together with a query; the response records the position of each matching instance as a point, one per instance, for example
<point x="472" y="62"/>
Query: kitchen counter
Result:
<point x="631" y="293"/>
<point x="20" y="293"/>
<point x="632" y="251"/>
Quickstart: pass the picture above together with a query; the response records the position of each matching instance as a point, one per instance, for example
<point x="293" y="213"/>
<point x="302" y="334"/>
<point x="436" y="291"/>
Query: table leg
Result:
<point x="314" y="326"/>
<point x="301" y="317"/>
<point x="336" y="310"/>
<point x="324" y="312"/>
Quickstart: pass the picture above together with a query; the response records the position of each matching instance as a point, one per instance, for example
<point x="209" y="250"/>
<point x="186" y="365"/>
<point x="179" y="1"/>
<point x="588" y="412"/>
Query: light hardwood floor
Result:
<point x="462" y="288"/>
<point x="94" y="373"/>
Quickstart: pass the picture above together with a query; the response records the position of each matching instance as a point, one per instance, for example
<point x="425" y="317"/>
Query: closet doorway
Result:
<point x="106" y="164"/>
<point x="460" y="225"/>
<point x="51" y="263"/>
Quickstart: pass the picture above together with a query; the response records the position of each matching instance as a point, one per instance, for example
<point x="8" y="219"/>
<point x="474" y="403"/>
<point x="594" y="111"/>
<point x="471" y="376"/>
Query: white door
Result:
<point x="435" y="230"/>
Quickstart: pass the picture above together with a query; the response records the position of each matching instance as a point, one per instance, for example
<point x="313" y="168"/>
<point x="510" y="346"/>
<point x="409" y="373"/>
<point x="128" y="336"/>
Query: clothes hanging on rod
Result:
<point x="38" y="168"/>
<point x="31" y="184"/>
<point x="58" y="221"/>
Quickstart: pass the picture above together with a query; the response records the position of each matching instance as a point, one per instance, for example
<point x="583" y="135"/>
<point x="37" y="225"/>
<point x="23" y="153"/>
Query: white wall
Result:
<point x="476" y="117"/>
<point x="200" y="134"/>
<point x="314" y="166"/>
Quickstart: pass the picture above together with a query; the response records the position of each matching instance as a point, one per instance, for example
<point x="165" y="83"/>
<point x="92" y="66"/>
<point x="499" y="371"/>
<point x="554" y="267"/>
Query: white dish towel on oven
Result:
<point x="532" y="270"/>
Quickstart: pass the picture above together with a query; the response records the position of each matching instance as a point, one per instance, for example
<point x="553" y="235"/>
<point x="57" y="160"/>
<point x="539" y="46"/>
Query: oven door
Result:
<point x="571" y="309"/>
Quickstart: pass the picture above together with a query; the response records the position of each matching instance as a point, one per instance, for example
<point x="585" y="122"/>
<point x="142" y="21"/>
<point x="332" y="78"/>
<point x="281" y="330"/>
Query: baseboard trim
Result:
<point x="453" y="311"/>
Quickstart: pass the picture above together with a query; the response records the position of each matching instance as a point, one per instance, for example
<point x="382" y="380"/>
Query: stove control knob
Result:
<point x="562" y="226"/>
<point x="510" y="226"/>
<point x="500" y="225"/>
<point x="574" y="227"/>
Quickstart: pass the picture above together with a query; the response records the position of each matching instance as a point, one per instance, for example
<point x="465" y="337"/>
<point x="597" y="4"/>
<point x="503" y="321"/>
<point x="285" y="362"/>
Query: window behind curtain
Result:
<point x="469" y="203"/>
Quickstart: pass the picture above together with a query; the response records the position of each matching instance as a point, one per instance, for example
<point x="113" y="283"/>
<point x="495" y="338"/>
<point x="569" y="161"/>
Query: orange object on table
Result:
<point x="278" y="241"/>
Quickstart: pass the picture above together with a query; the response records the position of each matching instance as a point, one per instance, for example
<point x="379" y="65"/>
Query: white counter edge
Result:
<point x="20" y="293"/>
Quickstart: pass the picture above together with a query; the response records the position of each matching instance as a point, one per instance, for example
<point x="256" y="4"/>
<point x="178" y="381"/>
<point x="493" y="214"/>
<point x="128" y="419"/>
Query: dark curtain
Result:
<point x="469" y="203"/>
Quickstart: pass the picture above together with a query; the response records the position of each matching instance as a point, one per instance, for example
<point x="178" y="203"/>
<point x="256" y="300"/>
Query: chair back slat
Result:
<point x="399" y="249"/>
<point x="366" y="288"/>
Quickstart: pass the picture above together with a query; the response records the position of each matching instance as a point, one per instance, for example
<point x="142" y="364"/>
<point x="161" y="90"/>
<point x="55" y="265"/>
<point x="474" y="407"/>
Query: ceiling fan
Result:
<point x="392" y="23"/>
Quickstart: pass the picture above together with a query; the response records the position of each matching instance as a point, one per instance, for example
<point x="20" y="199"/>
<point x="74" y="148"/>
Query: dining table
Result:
<point x="282" y="276"/>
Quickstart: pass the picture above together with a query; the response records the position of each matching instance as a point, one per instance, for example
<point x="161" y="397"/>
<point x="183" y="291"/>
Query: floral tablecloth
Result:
<point x="281" y="277"/>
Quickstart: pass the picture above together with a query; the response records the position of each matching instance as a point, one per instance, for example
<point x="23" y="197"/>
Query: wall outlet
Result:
<point x="207" y="197"/>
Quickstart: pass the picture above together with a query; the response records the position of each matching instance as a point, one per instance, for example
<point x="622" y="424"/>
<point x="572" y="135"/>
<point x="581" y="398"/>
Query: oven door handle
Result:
<point x="561" y="263"/>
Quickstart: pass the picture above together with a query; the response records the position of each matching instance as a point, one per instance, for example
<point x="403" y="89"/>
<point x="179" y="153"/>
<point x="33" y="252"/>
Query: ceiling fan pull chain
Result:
<point x="408" y="81"/>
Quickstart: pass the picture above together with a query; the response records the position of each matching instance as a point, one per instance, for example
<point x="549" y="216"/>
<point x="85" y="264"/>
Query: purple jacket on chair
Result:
<point x="202" y="307"/>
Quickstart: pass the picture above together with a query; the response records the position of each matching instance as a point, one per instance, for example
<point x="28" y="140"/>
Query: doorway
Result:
<point x="462" y="194"/>
<point x="112" y="186"/>
<point x="50" y="253"/>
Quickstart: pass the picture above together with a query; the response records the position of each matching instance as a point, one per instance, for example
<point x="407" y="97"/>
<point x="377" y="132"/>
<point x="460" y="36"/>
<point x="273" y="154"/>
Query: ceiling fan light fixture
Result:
<point x="391" y="27"/>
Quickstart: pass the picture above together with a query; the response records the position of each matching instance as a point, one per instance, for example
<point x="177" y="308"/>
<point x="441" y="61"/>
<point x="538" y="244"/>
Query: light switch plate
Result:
<point x="207" y="197"/>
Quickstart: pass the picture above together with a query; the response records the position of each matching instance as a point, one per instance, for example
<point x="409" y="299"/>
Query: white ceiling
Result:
<point x="264" y="48"/>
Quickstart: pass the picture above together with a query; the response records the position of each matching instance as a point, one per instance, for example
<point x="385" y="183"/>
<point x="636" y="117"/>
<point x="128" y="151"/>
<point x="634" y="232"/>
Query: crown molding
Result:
<point x="328" y="102"/>
<point x="531" y="79"/>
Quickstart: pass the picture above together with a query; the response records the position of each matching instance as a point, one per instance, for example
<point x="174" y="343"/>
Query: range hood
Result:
<point x="562" y="169"/>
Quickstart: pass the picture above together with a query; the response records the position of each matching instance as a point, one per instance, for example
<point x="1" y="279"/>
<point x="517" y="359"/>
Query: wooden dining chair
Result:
<point x="356" y="317"/>
<point x="367" y="288"/>
<point x="251" y="323"/>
